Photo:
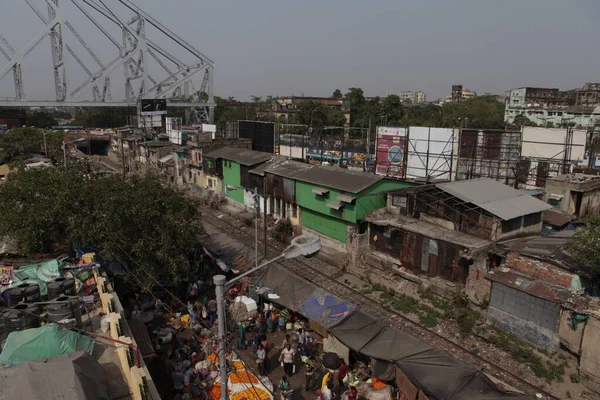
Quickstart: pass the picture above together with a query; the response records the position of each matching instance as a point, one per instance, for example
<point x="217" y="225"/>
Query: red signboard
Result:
<point x="391" y="151"/>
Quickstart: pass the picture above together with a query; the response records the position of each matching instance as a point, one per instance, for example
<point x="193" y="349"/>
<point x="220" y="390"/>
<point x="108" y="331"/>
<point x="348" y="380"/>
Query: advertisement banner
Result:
<point x="391" y="151"/>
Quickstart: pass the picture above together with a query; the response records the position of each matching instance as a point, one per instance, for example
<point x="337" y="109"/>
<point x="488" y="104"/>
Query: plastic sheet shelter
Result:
<point x="40" y="274"/>
<point x="75" y="376"/>
<point x="434" y="371"/>
<point x="39" y="343"/>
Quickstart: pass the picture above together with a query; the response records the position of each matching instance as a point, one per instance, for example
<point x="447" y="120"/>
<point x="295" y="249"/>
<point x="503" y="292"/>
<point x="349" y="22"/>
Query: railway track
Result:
<point x="325" y="275"/>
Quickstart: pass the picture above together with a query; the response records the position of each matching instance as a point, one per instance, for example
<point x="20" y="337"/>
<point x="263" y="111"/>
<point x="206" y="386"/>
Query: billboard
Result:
<point x="153" y="106"/>
<point x="261" y="133"/>
<point x="174" y="130"/>
<point x="149" y="121"/>
<point x="391" y="146"/>
<point x="430" y="152"/>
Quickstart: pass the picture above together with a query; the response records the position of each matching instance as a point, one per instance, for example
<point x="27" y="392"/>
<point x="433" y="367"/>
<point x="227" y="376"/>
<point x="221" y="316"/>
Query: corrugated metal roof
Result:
<point x="166" y="158"/>
<point x="557" y="217"/>
<point x="286" y="169"/>
<point x="535" y="288"/>
<point x="496" y="198"/>
<point x="339" y="178"/>
<point x="242" y="156"/>
<point x="273" y="163"/>
<point x="383" y="218"/>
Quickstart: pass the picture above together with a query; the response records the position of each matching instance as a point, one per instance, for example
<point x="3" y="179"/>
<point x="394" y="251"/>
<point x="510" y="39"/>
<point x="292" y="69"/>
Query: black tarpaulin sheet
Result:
<point x="434" y="371"/>
<point x="289" y="289"/>
<point x="392" y="344"/>
<point x="304" y="297"/>
<point x="358" y="330"/>
<point x="437" y="373"/>
<point x="481" y="387"/>
<point x="383" y="370"/>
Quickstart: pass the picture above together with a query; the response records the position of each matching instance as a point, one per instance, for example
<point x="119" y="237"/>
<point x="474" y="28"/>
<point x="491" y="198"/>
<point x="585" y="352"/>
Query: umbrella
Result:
<point x="331" y="361"/>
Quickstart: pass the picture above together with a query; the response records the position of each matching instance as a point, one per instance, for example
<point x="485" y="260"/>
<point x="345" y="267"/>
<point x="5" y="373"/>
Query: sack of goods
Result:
<point x="243" y="309"/>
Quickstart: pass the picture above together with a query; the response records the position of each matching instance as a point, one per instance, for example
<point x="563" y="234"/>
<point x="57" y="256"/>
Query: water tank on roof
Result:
<point x="22" y="316"/>
<point x="59" y="309"/>
<point x="31" y="293"/>
<point x="55" y="289"/>
<point x="69" y="286"/>
<point x="16" y="294"/>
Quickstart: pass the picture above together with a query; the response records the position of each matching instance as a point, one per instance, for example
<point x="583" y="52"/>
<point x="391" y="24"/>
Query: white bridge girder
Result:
<point x="135" y="53"/>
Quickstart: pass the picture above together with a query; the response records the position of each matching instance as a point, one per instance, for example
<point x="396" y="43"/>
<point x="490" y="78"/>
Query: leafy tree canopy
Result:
<point x="128" y="218"/>
<point x="522" y="120"/>
<point x="105" y="117"/>
<point x="319" y="115"/>
<point x="585" y="247"/>
<point x="337" y="94"/>
<point x="20" y="143"/>
<point x="40" y="119"/>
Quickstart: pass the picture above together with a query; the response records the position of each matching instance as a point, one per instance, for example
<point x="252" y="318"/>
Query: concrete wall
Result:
<point x="527" y="317"/>
<point x="590" y="203"/>
<point x="589" y="364"/>
<point x="134" y="375"/>
<point x="569" y="338"/>
<point x="478" y="288"/>
<point x="326" y="241"/>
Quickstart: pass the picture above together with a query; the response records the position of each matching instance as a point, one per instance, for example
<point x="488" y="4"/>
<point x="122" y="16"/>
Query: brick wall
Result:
<point x="539" y="269"/>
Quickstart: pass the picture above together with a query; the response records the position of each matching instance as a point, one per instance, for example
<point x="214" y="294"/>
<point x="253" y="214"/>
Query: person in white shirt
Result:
<point x="287" y="358"/>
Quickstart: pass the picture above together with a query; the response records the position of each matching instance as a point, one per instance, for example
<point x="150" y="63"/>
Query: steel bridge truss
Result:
<point x="183" y="84"/>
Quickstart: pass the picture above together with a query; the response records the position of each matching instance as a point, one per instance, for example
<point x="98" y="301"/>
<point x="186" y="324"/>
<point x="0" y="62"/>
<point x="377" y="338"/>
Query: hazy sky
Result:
<point x="284" y="47"/>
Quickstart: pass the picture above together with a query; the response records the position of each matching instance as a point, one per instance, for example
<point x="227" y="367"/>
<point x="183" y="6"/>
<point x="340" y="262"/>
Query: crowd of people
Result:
<point x="300" y="348"/>
<point x="184" y="338"/>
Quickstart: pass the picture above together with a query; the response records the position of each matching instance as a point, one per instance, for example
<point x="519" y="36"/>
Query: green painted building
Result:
<point x="335" y="201"/>
<point x="230" y="166"/>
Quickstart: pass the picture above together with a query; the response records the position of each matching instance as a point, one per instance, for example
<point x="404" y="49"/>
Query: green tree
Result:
<point x="423" y="115"/>
<point x="137" y="220"/>
<point x="585" y="247"/>
<point x="36" y="205"/>
<point x="391" y="107"/>
<point x="40" y="119"/>
<point x="356" y="99"/>
<point x="521" y="120"/>
<point x="104" y="117"/>
<point x="484" y="112"/>
<point x="337" y="94"/>
<point x="20" y="143"/>
<point x="320" y="114"/>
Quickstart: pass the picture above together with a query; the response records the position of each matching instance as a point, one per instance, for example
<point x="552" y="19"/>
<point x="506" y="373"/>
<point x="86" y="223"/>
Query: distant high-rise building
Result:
<point x="410" y="97"/>
<point x="459" y="94"/>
